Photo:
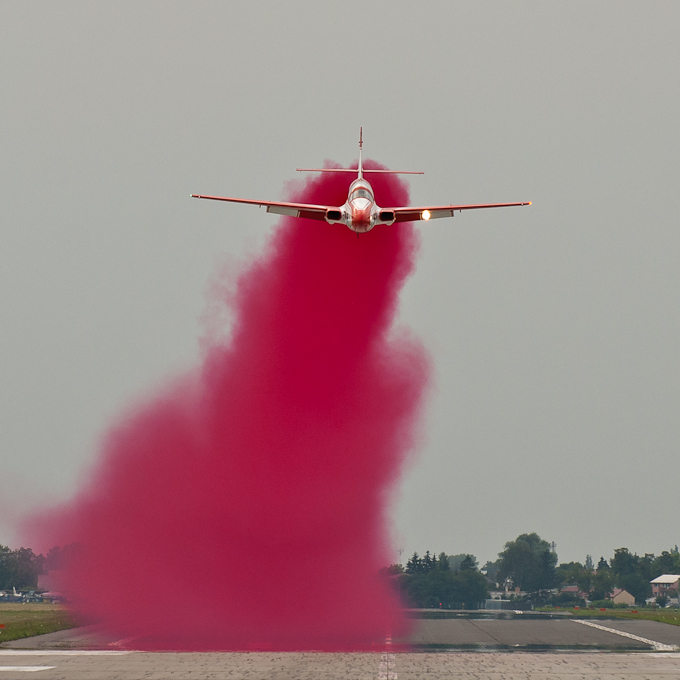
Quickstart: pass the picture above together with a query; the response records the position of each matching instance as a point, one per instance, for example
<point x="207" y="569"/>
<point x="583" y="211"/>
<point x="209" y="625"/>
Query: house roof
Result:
<point x="666" y="578"/>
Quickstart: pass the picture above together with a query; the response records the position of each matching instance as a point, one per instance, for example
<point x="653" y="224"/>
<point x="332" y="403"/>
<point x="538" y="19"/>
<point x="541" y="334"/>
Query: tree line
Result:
<point x="531" y="565"/>
<point x="452" y="581"/>
<point x="528" y="564"/>
<point x="447" y="581"/>
<point x="21" y="568"/>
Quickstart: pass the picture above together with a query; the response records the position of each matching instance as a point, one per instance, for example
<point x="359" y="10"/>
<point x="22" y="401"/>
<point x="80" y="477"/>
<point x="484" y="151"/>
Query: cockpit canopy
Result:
<point x="361" y="189"/>
<point x="361" y="193"/>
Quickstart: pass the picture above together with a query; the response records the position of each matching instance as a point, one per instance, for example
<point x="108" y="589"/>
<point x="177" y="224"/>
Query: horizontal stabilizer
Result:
<point x="355" y="170"/>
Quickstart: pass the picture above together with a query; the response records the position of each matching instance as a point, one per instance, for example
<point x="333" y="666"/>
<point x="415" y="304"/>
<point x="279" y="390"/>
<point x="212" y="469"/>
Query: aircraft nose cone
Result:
<point x="361" y="214"/>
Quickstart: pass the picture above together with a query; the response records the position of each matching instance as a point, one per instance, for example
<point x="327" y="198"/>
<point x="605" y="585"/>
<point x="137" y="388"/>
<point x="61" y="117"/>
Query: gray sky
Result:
<point x="554" y="329"/>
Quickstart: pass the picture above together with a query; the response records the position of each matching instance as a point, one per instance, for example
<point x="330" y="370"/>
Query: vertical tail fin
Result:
<point x="361" y="144"/>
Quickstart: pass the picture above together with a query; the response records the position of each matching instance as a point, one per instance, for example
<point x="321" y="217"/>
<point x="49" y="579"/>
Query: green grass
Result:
<point x="22" y="621"/>
<point x="671" y="616"/>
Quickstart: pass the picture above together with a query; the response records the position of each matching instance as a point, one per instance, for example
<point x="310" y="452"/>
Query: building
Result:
<point x="666" y="584"/>
<point x="621" y="596"/>
<point x="574" y="591"/>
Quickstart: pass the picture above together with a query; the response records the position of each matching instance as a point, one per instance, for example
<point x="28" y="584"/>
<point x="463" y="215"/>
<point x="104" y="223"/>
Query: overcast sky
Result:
<point x="554" y="329"/>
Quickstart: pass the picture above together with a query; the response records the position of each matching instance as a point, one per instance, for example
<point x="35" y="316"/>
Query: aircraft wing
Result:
<point x="431" y="212"/>
<point x="311" y="212"/>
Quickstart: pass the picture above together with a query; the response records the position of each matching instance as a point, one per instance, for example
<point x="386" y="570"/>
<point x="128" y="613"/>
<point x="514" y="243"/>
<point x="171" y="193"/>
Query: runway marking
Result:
<point x="61" y="652"/>
<point x="657" y="646"/>
<point x="387" y="667"/>
<point x="122" y="642"/>
<point x="26" y="669"/>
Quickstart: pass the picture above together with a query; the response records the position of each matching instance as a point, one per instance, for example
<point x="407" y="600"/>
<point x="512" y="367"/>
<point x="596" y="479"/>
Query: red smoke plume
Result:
<point x="246" y="506"/>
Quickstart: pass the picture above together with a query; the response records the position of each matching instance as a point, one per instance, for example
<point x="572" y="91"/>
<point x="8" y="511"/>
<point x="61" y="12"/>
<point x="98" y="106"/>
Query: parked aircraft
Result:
<point x="360" y="212"/>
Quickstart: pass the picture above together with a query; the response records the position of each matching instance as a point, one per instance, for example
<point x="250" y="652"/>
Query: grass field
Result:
<point x="25" y="620"/>
<point x="671" y="616"/>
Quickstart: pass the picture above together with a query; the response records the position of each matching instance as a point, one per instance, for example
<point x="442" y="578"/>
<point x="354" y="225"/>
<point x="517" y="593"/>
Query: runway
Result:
<point x="83" y="665"/>
<point x="545" y="634"/>
<point x="462" y="648"/>
<point x="469" y="633"/>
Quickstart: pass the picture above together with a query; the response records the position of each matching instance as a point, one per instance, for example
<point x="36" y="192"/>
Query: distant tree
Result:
<point x="19" y="568"/>
<point x="529" y="562"/>
<point x="456" y="560"/>
<point x="414" y="565"/>
<point x="568" y="572"/>
<point x="666" y="563"/>
<point x="427" y="562"/>
<point x="585" y="580"/>
<point x="637" y="585"/>
<point x="601" y="584"/>
<point x="469" y="563"/>
<point x="5" y="573"/>
<point x="442" y="587"/>
<point x="443" y="562"/>
<point x="602" y="564"/>
<point x="59" y="557"/>
<point x="623" y="562"/>
<point x="575" y="573"/>
<point x="53" y="559"/>
<point x="662" y="600"/>
<point x="474" y="588"/>
<point x="632" y="573"/>
<point x="645" y="566"/>
<point x="589" y="562"/>
<point x="491" y="570"/>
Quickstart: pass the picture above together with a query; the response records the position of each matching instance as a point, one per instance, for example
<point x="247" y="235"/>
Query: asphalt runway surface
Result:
<point x="469" y="633"/>
<point x="466" y="648"/>
<point x="84" y="665"/>
<point x="547" y="634"/>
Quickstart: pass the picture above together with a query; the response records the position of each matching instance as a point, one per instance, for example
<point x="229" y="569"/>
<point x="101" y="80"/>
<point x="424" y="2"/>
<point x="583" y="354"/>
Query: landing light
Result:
<point x="426" y="215"/>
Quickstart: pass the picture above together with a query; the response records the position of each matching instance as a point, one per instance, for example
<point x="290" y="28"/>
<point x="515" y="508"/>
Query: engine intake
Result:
<point x="333" y="215"/>
<point x="386" y="215"/>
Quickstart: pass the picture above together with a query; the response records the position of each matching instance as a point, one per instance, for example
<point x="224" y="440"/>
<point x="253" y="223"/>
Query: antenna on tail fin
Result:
<point x="361" y="144"/>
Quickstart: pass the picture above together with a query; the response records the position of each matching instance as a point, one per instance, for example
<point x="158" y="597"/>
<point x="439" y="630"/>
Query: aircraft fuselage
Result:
<point x="360" y="212"/>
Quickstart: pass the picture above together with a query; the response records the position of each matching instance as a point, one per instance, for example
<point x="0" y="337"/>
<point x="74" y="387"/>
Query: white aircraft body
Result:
<point x="360" y="212"/>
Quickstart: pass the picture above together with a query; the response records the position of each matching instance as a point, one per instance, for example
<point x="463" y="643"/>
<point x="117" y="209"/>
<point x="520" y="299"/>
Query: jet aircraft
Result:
<point x="360" y="212"/>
